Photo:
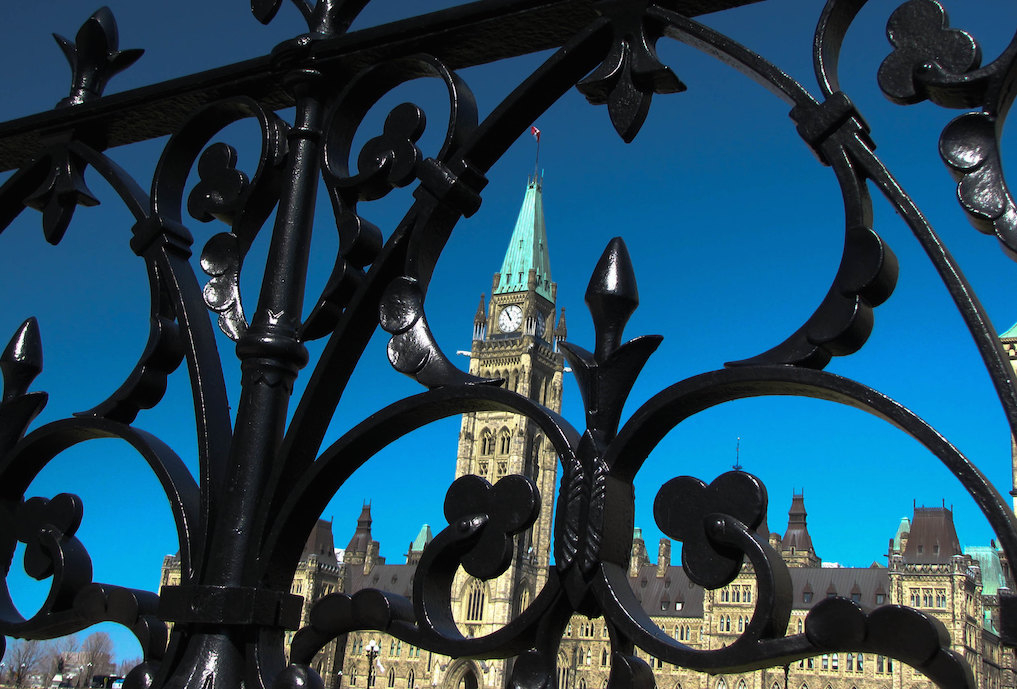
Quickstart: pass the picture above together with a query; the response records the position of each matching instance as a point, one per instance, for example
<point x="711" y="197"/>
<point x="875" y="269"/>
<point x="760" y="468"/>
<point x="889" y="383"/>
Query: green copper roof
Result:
<point x="903" y="529"/>
<point x="422" y="539"/>
<point x="1010" y="334"/>
<point x="528" y="247"/>
<point x="992" y="569"/>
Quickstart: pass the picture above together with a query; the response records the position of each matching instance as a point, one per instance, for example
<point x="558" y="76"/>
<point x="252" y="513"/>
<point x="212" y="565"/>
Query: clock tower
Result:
<point x="515" y="338"/>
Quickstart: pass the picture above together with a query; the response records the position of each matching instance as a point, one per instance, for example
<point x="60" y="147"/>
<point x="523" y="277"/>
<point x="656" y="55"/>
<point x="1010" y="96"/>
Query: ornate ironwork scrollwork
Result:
<point x="263" y="481"/>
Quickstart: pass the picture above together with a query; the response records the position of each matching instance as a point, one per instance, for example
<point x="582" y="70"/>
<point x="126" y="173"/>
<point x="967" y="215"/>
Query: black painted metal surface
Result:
<point x="263" y="482"/>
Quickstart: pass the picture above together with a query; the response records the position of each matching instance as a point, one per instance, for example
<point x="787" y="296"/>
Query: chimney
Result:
<point x="372" y="558"/>
<point x="663" y="556"/>
<point x="638" y="557"/>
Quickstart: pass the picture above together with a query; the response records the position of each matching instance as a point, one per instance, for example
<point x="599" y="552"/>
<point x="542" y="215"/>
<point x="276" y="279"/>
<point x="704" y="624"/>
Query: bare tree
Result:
<point x="57" y="655"/>
<point x="24" y="658"/>
<point x="126" y="666"/>
<point x="96" y="655"/>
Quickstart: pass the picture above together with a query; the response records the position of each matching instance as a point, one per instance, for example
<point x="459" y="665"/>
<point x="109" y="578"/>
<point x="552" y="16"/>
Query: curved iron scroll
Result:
<point x="262" y="482"/>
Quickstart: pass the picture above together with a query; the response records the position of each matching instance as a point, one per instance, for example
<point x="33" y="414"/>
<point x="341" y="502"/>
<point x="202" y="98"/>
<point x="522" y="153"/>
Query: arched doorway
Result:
<point x="464" y="674"/>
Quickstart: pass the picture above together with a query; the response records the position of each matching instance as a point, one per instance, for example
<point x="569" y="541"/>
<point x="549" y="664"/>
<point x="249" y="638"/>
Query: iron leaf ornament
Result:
<point x="631" y="72"/>
<point x="932" y="60"/>
<point x="924" y="45"/>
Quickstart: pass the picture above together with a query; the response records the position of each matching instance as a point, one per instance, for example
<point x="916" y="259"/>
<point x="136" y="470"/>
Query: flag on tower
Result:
<point x="535" y="132"/>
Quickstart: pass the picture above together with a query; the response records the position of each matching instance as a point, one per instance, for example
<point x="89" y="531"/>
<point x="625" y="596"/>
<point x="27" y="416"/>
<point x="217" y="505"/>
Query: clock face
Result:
<point x="510" y="318"/>
<point x="540" y="324"/>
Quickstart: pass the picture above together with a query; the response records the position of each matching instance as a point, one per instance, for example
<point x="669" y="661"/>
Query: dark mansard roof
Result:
<point x="672" y="595"/>
<point x="933" y="538"/>
<point x="862" y="584"/>
<point x="320" y="543"/>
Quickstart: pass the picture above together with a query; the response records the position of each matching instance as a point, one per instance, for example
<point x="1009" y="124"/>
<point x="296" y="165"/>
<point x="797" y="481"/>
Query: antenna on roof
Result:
<point x="737" y="466"/>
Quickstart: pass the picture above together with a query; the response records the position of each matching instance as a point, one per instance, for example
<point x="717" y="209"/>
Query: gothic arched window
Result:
<point x="475" y="602"/>
<point x="411" y="679"/>
<point x="391" y="678"/>
<point x="486" y="443"/>
<point x="523" y="601"/>
<point x="563" y="671"/>
<point x="721" y="684"/>
<point x="504" y="441"/>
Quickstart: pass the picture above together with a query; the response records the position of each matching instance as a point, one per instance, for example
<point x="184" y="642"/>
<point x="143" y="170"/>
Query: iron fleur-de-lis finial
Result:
<point x="323" y="17"/>
<point x="95" y="57"/>
<point x="606" y="375"/>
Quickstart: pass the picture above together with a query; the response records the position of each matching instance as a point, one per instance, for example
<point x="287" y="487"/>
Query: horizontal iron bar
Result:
<point x="464" y="36"/>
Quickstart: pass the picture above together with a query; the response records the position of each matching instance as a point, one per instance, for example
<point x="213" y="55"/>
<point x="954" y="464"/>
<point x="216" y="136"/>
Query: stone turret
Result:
<point x="796" y="546"/>
<point x="418" y="544"/>
<point x="360" y="543"/>
<point x="480" y="321"/>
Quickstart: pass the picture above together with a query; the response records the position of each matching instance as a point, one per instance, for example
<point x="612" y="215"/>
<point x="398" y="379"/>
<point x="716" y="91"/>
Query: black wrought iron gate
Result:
<point x="263" y="482"/>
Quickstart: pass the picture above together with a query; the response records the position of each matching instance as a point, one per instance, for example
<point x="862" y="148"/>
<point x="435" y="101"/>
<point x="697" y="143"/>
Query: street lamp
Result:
<point x="372" y="651"/>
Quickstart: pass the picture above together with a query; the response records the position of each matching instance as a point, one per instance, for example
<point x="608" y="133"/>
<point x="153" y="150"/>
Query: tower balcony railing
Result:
<point x="265" y="473"/>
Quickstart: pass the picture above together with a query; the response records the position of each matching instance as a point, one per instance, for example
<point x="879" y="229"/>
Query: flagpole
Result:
<point x="536" y="160"/>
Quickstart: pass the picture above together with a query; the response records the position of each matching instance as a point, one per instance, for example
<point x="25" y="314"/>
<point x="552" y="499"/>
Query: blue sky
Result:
<point x="734" y="228"/>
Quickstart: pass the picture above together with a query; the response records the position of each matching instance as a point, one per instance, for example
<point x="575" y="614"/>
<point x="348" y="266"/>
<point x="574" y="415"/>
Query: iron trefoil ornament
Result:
<point x="262" y="482"/>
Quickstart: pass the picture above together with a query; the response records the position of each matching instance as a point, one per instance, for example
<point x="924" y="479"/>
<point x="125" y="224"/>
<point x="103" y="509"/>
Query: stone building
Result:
<point x="927" y="570"/>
